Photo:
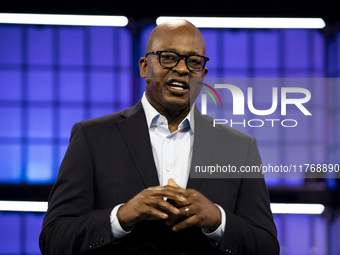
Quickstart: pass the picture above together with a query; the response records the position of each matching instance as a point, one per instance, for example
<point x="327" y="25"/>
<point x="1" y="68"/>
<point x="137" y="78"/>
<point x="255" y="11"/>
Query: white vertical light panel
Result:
<point x="59" y="19"/>
<point x="225" y="22"/>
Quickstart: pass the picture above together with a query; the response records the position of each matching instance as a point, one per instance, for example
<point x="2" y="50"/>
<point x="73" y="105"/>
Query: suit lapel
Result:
<point x="136" y="135"/>
<point x="206" y="138"/>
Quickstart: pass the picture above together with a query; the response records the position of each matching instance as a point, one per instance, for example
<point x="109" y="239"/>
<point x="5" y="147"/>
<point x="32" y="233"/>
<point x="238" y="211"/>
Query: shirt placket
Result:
<point x="168" y="167"/>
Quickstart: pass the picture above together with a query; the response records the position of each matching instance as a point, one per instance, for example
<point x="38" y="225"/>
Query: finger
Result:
<point x="172" y="183"/>
<point x="178" y="189"/>
<point x="190" y="193"/>
<point x="189" y="200"/>
<point x="185" y="224"/>
<point x="193" y="197"/>
<point x="184" y="212"/>
<point x="172" y="218"/>
<point x="142" y="213"/>
<point x="165" y="191"/>
<point x="152" y="211"/>
<point x="159" y="203"/>
<point x="177" y="204"/>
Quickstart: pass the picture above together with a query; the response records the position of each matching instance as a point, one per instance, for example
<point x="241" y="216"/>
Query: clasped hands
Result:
<point x="198" y="210"/>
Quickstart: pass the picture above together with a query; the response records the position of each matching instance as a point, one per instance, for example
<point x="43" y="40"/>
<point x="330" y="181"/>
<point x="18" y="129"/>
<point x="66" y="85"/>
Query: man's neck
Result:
<point x="175" y="118"/>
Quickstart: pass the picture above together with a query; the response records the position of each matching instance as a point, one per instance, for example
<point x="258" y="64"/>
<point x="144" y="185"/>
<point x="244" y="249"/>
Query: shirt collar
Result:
<point x="152" y="115"/>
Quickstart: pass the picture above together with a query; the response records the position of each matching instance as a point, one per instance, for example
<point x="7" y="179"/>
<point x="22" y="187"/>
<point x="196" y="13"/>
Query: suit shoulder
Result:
<point x="102" y="120"/>
<point x="110" y="120"/>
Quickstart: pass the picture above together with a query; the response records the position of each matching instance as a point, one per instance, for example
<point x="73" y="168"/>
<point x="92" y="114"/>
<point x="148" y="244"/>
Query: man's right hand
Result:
<point x="150" y="202"/>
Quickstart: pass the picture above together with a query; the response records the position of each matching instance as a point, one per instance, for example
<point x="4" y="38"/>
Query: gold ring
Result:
<point x="186" y="211"/>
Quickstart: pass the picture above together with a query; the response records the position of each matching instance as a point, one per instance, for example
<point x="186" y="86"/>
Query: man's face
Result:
<point x="169" y="89"/>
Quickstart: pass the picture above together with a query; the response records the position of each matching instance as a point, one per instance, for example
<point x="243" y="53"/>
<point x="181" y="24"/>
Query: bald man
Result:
<point x="124" y="186"/>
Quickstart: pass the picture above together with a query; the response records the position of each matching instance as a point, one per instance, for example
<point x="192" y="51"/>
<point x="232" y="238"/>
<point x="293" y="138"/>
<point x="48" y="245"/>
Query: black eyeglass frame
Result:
<point x="179" y="58"/>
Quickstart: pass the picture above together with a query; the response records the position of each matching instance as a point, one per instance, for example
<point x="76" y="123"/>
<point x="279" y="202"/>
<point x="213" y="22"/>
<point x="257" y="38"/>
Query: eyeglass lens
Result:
<point x="169" y="59"/>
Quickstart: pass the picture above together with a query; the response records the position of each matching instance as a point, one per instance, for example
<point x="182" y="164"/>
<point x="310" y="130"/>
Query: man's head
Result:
<point x="168" y="89"/>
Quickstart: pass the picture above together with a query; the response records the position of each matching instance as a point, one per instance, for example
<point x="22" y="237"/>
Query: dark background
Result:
<point x="151" y="9"/>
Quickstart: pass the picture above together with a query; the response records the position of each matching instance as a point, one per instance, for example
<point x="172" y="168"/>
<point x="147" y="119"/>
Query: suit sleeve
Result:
<point x="250" y="228"/>
<point x="72" y="225"/>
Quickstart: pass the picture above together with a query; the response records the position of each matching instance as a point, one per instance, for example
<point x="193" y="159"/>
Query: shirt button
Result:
<point x="161" y="120"/>
<point x="168" y="140"/>
<point x="168" y="169"/>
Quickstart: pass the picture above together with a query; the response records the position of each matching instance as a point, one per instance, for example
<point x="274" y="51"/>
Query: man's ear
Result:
<point x="142" y="67"/>
<point x="205" y="71"/>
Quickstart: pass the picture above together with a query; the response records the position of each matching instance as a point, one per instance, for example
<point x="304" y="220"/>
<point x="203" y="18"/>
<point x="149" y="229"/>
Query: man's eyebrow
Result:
<point x="190" y="53"/>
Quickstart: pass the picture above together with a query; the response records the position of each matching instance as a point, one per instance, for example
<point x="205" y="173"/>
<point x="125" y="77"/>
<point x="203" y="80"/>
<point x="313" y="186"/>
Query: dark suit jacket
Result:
<point x="109" y="160"/>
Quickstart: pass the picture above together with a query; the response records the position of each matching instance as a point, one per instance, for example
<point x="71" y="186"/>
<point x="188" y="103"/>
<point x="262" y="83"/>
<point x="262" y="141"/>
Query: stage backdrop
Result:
<point x="54" y="76"/>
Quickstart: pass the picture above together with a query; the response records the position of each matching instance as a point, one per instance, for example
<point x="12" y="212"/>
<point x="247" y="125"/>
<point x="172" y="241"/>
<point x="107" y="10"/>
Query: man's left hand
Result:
<point x="198" y="210"/>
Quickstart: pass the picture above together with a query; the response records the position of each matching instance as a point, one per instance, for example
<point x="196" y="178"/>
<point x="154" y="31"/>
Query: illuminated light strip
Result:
<point x="215" y="22"/>
<point x="297" y="208"/>
<point x="23" y="206"/>
<point x="29" y="206"/>
<point x="61" y="19"/>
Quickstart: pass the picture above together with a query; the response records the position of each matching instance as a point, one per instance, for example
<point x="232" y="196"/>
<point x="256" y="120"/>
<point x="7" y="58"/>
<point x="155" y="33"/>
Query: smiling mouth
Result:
<point x="178" y="86"/>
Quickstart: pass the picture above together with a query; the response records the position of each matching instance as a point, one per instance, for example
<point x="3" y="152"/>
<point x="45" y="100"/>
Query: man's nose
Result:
<point x="181" y="67"/>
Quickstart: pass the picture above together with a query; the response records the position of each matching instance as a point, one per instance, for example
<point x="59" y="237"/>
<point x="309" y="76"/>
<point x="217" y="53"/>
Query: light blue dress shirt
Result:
<point x="172" y="153"/>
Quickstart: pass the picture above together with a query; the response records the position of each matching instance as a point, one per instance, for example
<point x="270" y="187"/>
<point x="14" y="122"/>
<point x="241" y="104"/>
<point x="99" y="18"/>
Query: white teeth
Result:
<point x="177" y="88"/>
<point x="177" y="83"/>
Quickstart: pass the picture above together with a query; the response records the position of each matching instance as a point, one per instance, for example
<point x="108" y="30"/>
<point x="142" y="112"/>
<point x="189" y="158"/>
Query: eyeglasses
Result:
<point x="170" y="59"/>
